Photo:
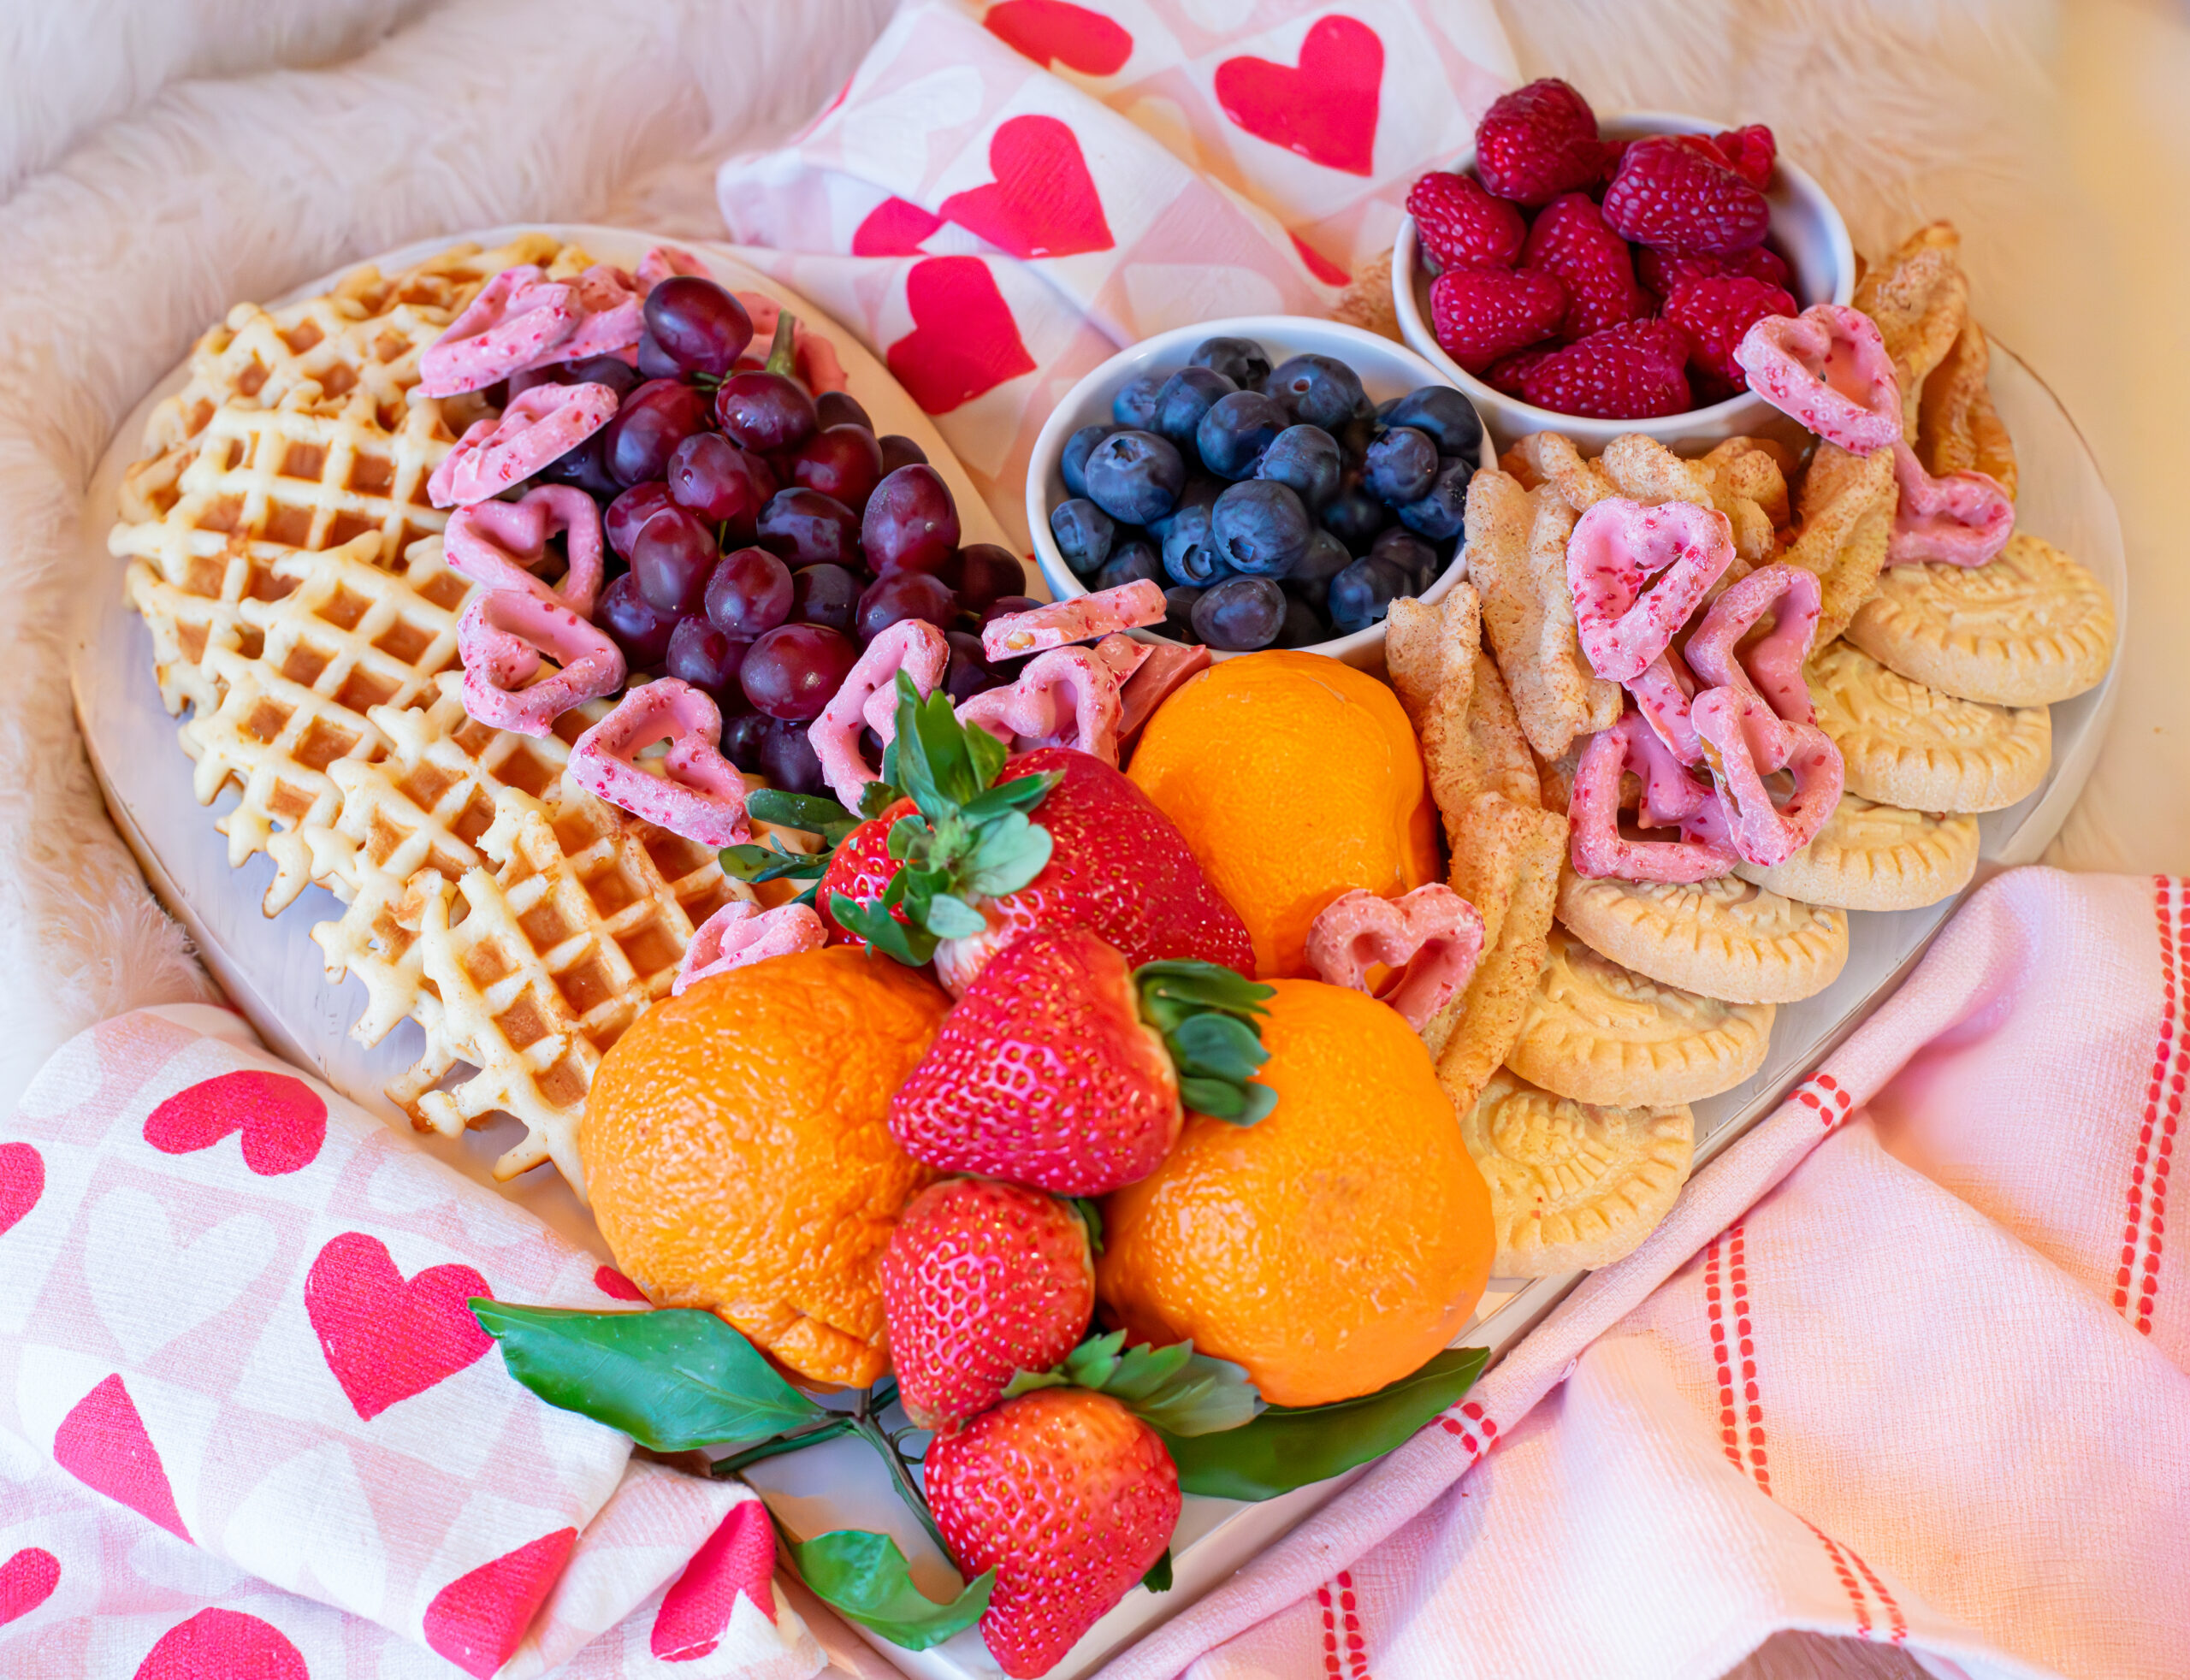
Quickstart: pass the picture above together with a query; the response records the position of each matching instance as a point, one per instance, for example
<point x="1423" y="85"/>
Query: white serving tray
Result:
<point x="273" y="972"/>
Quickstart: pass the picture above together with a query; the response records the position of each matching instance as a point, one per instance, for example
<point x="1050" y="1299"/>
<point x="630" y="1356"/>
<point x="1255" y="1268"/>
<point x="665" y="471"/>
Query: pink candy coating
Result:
<point x="867" y="698"/>
<point x="666" y="260"/>
<point x="1168" y="665"/>
<point x="700" y="797"/>
<point x="612" y="322"/>
<point x="1067" y="697"/>
<point x="497" y="544"/>
<point x="1671" y="798"/>
<point x="518" y="320"/>
<point x="539" y="425"/>
<point x="1770" y="666"/>
<point x="1744" y="742"/>
<point x="500" y="639"/>
<point x="1432" y="935"/>
<point x="1617" y="546"/>
<point x="1083" y="618"/>
<point x="1828" y="370"/>
<point x="742" y="932"/>
<point x="1960" y="518"/>
<point x="1661" y="693"/>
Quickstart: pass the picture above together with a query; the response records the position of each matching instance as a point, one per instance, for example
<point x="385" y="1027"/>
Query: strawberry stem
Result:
<point x="866" y="1425"/>
<point x="1210" y="1022"/>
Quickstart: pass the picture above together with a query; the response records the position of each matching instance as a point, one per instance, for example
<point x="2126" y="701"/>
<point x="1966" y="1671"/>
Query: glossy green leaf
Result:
<point x="864" y="1577"/>
<point x="756" y="864"/>
<point x="1173" y="1388"/>
<point x="1158" y="1579"/>
<point x="1011" y="852"/>
<point x="949" y="917"/>
<point x="987" y="754"/>
<point x="876" y="797"/>
<point x="805" y="811"/>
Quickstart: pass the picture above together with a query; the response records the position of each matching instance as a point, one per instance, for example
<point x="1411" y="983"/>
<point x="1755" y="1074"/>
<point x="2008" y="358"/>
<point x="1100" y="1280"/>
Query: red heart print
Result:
<point x="223" y="1645"/>
<point x="22" y="1181"/>
<point x="1055" y="31"/>
<point x="894" y="228"/>
<point x="385" y="1340"/>
<point x="739" y="1556"/>
<point x="1042" y="202"/>
<point x="1326" y="110"/>
<point x="1320" y="265"/>
<point x="477" y="1619"/>
<point x="104" y="1444"/>
<point x="963" y="341"/>
<point x="29" y="1578"/>
<point x="610" y="1281"/>
<point x="282" y="1119"/>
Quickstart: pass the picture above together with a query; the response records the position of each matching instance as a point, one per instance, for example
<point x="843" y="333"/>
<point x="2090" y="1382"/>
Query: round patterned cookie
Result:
<point x="1598" y="1032"/>
<point x="1724" y="937"/>
<point x="1876" y="857"/>
<point x="2029" y="627"/>
<point x="1908" y="745"/>
<point x="1573" y="1185"/>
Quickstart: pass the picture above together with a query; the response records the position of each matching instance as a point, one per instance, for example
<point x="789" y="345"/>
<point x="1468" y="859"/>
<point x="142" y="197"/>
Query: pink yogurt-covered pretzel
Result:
<point x="700" y="796"/>
<point x="1772" y="666"/>
<point x="1616" y="547"/>
<point x="1661" y="693"/>
<point x="1961" y="518"/>
<point x="1167" y="666"/>
<point x="1671" y="799"/>
<point x="1827" y="369"/>
<point x="500" y="638"/>
<point x="742" y="932"/>
<point x="539" y="425"/>
<point x="1744" y="742"/>
<point x="1083" y="618"/>
<point x="1432" y="936"/>
<point x="497" y="543"/>
<point x="867" y="698"/>
<point x="666" y="260"/>
<point x="612" y="322"/>
<point x="813" y="358"/>
<point x="1067" y="697"/>
<point x="517" y="321"/>
<point x="1123" y="655"/>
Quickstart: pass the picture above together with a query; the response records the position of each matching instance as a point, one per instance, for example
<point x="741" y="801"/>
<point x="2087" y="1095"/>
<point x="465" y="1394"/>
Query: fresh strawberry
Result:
<point x="1569" y="239"/>
<point x="1065" y="1067"/>
<point x="1481" y="314"/>
<point x="1538" y="142"/>
<point x="1751" y="151"/>
<point x="861" y="868"/>
<point x="1462" y="225"/>
<point x="1715" y="312"/>
<point x="1069" y="1497"/>
<point x="1665" y="271"/>
<point x="1683" y="196"/>
<point x="1629" y="372"/>
<point x="981" y="1280"/>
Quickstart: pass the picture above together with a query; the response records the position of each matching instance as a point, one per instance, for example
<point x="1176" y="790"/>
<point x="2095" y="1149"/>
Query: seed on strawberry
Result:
<point x="1632" y="371"/>
<point x="1569" y="239"/>
<point x="1673" y="194"/>
<point x="1069" y="1497"/>
<point x="861" y="868"/>
<point x="1751" y="151"/>
<point x="1462" y="225"/>
<point x="1715" y="312"/>
<point x="1665" y="271"/>
<point x="1480" y="314"/>
<point x="1538" y="142"/>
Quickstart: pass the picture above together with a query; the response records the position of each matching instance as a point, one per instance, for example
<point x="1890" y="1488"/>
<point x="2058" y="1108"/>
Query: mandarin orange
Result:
<point x="1333" y="1246"/>
<point x="737" y="1150"/>
<point x="1294" y="778"/>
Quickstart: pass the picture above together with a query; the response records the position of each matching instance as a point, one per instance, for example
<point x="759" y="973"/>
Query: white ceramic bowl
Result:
<point x="1806" y="229"/>
<point x="1387" y="370"/>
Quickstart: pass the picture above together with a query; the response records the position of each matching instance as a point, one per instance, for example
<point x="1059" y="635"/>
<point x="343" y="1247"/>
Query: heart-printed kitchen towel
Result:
<point x="1004" y="194"/>
<point x="237" y="1369"/>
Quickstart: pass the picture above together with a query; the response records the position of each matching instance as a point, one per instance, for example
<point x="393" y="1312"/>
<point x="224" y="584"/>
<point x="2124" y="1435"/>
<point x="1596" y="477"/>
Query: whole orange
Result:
<point x="738" y="1155"/>
<point x="1294" y="778"/>
<point x="1333" y="1246"/>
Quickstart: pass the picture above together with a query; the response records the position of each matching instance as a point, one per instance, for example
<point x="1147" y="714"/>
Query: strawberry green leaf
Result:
<point x="1217" y="1047"/>
<point x="756" y="864"/>
<point x="1210" y="1019"/>
<point x="1091" y="1214"/>
<point x="805" y="811"/>
<point x="987" y="754"/>
<point x="874" y="923"/>
<point x="1173" y="1388"/>
<point x="865" y="1578"/>
<point x="949" y="917"/>
<point x="671" y="1379"/>
<point x="1158" y="1579"/>
<point x="1020" y="793"/>
<point x="1011" y="852"/>
<point x="876" y="797"/>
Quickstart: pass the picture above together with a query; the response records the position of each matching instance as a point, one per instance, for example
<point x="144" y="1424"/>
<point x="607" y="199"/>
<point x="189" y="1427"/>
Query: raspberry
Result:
<point x="1714" y="312"/>
<point x="1665" y="271"/>
<point x="1538" y="142"/>
<point x="1670" y="193"/>
<point x="1507" y="373"/>
<point x="1751" y="151"/>
<point x="1569" y="239"/>
<point x="1480" y="314"/>
<point x="1462" y="225"/>
<point x="1629" y="372"/>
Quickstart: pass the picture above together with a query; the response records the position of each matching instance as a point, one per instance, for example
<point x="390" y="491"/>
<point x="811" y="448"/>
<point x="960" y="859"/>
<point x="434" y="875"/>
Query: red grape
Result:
<point x="910" y="522"/>
<point x="697" y="324"/>
<point x="896" y="595"/>
<point x="703" y="656"/>
<point x="793" y="670"/>
<point x="1004" y="604"/>
<point x="583" y="467"/>
<point x="839" y="461"/>
<point x="670" y="557"/>
<point x="764" y="411"/>
<point x="824" y="595"/>
<point x="986" y="571"/>
<point x="840" y="408"/>
<point x="750" y="592"/>
<point x="648" y="425"/>
<point x="787" y="759"/>
<point x="899" y="450"/>
<point x="807" y="528"/>
<point x="743" y="737"/>
<point x="629" y="510"/>
<point x="633" y="624"/>
<point x="720" y="482"/>
<point x="968" y="674"/>
<point x="654" y="362"/>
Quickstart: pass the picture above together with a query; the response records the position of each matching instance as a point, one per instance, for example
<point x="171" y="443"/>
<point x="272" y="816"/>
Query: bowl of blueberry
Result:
<point x="1283" y="480"/>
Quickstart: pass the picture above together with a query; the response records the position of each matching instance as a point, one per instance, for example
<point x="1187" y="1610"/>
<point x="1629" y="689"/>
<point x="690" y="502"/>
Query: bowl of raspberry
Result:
<point x="1592" y="277"/>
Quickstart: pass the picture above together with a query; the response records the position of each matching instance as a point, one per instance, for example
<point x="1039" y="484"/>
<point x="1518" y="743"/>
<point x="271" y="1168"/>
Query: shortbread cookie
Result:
<point x="2028" y="627"/>
<point x="1598" y="1032"/>
<point x="1723" y="937"/>
<point x="1573" y="1187"/>
<point x="1905" y="744"/>
<point x="1876" y="857"/>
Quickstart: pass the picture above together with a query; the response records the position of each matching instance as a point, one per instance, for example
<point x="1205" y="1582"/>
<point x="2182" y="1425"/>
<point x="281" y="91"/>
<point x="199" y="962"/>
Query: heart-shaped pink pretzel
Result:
<point x="1661" y="693"/>
<point x="1083" y="618"/>
<point x="867" y="698"/>
<point x="1432" y="936"/>
<point x="1827" y="369"/>
<point x="666" y="260"/>
<point x="1671" y="798"/>
<point x="813" y="358"/>
<point x="497" y="544"/>
<point x="1962" y="519"/>
<point x="1167" y="666"/>
<point x="539" y="425"/>
<point x="1772" y="666"/>
<point x="1067" y="697"/>
<point x="1744" y="740"/>
<point x="1123" y="655"/>
<point x="612" y="320"/>
<point x="500" y="639"/>
<point x="742" y="932"/>
<point x="1619" y="544"/>
<point x="700" y="796"/>
<point x="518" y="320"/>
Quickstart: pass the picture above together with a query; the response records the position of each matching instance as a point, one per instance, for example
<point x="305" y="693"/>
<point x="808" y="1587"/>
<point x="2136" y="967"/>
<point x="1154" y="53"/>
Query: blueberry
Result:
<point x="1240" y="614"/>
<point x="1238" y="428"/>
<point x="1186" y="397"/>
<point x="1354" y="516"/>
<point x="1364" y="592"/>
<point x="1311" y="574"/>
<point x="1416" y="559"/>
<point x="1135" y="406"/>
<point x="1443" y="509"/>
<point x="1129" y="563"/>
<point x="1190" y="554"/>
<point x="1084" y="533"/>
<point x="1077" y="448"/>
<point x="1178" y="612"/>
<point x="1307" y="458"/>
<point x="1449" y="418"/>
<point x="1135" y="476"/>
<point x="1260" y="528"/>
<point x="1201" y="491"/>
<point x="1239" y="360"/>
<point x="1303" y="627"/>
<point x="1400" y="465"/>
<point x="1318" y="390"/>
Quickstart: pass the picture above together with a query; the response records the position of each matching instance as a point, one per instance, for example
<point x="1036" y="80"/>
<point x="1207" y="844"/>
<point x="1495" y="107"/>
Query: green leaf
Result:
<point x="754" y="864"/>
<point x="1217" y="1047"/>
<point x="805" y="811"/>
<point x="1287" y="1447"/>
<point x="876" y="797"/>
<point x="1158" y="1579"/>
<point x="912" y="946"/>
<point x="1091" y="1214"/>
<point x="1011" y="853"/>
<point x="1175" y="988"/>
<point x="1176" y="1389"/>
<point x="949" y="917"/>
<point x="671" y="1379"/>
<point x="864" y="1577"/>
<point x="987" y="754"/>
<point x="1020" y="793"/>
<point x="1222" y="1099"/>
